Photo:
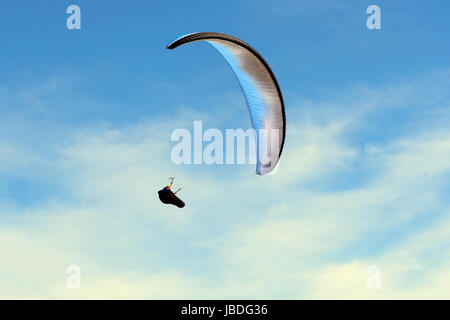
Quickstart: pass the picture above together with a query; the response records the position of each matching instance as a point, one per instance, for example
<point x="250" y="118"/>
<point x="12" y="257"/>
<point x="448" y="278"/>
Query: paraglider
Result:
<point x="260" y="88"/>
<point x="167" y="196"/>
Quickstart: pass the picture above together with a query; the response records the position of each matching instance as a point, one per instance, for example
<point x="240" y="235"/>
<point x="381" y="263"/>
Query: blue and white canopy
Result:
<point x="261" y="90"/>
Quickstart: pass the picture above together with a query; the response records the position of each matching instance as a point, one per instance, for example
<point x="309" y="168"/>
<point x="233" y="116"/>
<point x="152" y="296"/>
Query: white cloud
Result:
<point x="306" y="232"/>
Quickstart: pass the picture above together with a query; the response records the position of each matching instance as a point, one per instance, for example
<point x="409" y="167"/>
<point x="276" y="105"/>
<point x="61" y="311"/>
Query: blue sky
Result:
<point x="85" y="123"/>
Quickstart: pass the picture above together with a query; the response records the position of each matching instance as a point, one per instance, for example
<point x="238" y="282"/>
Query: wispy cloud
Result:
<point x="345" y="198"/>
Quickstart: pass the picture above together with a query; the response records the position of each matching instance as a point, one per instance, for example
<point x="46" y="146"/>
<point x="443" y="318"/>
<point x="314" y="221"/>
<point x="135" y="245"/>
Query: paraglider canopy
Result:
<point x="261" y="90"/>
